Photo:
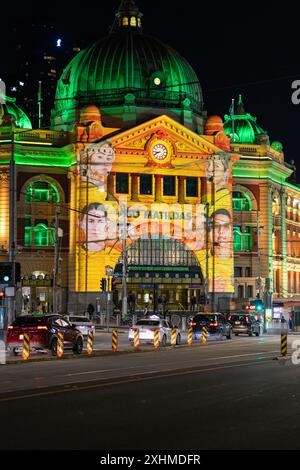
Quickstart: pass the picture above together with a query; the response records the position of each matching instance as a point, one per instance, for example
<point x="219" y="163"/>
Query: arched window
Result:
<point x="242" y="241"/>
<point x="40" y="235"/>
<point x="133" y="21"/>
<point x="241" y="201"/>
<point x="41" y="191"/>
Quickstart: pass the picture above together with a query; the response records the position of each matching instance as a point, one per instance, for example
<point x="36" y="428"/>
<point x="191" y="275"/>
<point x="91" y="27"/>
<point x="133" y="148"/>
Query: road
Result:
<point x="226" y="395"/>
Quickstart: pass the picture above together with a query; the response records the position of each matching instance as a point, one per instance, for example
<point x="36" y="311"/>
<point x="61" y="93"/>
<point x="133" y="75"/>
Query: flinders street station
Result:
<point x="135" y="180"/>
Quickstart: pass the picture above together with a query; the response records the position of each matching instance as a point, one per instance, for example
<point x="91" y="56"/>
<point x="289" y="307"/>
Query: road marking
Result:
<point x="75" y="388"/>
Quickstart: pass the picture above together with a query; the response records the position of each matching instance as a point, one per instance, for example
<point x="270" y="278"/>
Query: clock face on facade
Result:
<point x="160" y="152"/>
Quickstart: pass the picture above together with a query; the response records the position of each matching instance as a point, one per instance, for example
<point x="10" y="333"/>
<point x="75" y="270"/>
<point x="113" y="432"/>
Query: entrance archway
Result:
<point x="162" y="274"/>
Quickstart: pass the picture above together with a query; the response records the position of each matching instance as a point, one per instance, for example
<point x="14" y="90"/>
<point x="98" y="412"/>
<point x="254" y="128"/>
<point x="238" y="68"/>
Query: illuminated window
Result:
<point x="242" y="241"/>
<point x="40" y="235"/>
<point x="241" y="201"/>
<point x="133" y="21"/>
<point x="125" y="21"/>
<point x="41" y="191"/>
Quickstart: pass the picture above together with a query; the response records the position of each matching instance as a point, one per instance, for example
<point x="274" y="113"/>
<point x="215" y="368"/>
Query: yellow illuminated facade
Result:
<point x="205" y="206"/>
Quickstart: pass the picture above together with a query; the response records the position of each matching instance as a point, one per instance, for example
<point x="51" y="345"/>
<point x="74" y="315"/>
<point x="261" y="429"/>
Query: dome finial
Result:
<point x="240" y="106"/>
<point x="128" y="16"/>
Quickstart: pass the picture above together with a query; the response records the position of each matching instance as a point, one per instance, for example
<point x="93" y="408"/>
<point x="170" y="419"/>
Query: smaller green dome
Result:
<point x="242" y="126"/>
<point x="276" y="145"/>
<point x="8" y="106"/>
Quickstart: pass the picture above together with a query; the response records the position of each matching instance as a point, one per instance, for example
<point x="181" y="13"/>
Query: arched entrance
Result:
<point x="162" y="273"/>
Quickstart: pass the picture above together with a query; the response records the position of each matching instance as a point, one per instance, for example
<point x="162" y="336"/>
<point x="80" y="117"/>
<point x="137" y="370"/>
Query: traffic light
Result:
<point x="258" y="304"/>
<point x="103" y="285"/>
<point x="6" y="273"/>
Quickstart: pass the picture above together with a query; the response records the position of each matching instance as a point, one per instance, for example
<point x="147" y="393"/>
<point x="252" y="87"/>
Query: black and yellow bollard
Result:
<point x="90" y="343"/>
<point x="173" y="336"/>
<point x="26" y="347"/>
<point x="156" y="339"/>
<point x="204" y="335"/>
<point x="190" y="336"/>
<point x="114" y="341"/>
<point x="60" y="345"/>
<point x="283" y="344"/>
<point x="136" y="341"/>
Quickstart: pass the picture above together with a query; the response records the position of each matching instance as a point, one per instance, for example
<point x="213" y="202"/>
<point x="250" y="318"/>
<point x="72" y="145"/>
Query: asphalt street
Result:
<point x="225" y="395"/>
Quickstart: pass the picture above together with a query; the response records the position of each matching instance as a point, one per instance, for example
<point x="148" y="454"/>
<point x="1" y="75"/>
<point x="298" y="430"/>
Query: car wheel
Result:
<point x="164" y="340"/>
<point x="250" y="333"/>
<point x="178" y="339"/>
<point x="78" y="346"/>
<point x="236" y="334"/>
<point x="53" y="347"/>
<point x="15" y="351"/>
<point x="257" y="334"/>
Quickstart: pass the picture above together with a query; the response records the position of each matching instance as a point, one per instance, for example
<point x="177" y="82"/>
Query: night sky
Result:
<point x="248" y="47"/>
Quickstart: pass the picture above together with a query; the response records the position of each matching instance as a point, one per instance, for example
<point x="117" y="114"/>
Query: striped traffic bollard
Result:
<point x="114" y="341"/>
<point x="26" y="347"/>
<point x="136" y="342"/>
<point x="173" y="336"/>
<point x="156" y="339"/>
<point x="283" y="344"/>
<point x="90" y="343"/>
<point x="60" y="345"/>
<point x="204" y="335"/>
<point x="190" y="336"/>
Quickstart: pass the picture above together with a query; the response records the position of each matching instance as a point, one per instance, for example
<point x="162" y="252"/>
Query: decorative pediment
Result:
<point x="185" y="142"/>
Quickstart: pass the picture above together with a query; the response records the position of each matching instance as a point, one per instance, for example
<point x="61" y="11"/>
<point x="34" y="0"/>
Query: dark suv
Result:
<point x="216" y="325"/>
<point x="43" y="334"/>
<point x="243" y="323"/>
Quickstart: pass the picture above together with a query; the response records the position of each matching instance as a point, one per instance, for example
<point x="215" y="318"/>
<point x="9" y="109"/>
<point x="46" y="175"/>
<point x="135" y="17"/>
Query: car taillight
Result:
<point x="10" y="328"/>
<point x="42" y="328"/>
<point x="193" y="323"/>
<point x="152" y="329"/>
<point x="214" y="324"/>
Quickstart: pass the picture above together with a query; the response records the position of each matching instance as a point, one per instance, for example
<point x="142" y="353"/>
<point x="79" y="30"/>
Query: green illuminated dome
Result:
<point x="242" y="127"/>
<point x="130" y="76"/>
<point x="21" y="119"/>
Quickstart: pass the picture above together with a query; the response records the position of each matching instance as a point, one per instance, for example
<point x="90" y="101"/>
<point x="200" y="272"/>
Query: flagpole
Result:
<point x="232" y="118"/>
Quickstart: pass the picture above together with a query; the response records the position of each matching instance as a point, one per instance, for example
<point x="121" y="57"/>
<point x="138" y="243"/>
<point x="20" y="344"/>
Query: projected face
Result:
<point x="217" y="171"/>
<point x="221" y="234"/>
<point x="94" y="227"/>
<point x="96" y="163"/>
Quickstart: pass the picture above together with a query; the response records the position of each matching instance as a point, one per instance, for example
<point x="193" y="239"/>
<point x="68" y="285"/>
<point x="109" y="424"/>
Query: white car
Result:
<point x="147" y="326"/>
<point x="83" y="324"/>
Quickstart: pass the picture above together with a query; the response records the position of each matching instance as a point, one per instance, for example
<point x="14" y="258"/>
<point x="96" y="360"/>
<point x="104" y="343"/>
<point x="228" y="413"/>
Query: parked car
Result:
<point x="216" y="326"/>
<point x="82" y="323"/>
<point x="243" y="323"/>
<point x="147" y="326"/>
<point x="43" y="333"/>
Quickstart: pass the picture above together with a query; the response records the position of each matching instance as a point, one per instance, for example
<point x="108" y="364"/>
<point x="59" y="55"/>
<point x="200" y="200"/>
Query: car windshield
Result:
<point x="205" y="318"/>
<point x="147" y="323"/>
<point x="240" y="318"/>
<point x="79" y="319"/>
<point x="28" y="321"/>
